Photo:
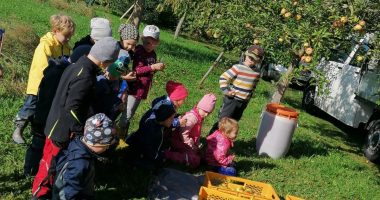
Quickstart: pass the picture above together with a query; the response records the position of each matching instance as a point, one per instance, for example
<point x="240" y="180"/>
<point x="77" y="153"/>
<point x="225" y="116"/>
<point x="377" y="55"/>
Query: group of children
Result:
<point x="73" y="108"/>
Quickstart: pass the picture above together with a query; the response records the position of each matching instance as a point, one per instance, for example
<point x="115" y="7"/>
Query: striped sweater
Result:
<point x="241" y="79"/>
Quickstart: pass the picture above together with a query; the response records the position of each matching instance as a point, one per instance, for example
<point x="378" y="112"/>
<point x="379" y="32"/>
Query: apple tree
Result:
<point x="291" y="32"/>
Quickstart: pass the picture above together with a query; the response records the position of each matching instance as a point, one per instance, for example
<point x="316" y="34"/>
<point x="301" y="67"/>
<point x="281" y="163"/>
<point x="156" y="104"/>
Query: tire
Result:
<point x="372" y="147"/>
<point x="308" y="99"/>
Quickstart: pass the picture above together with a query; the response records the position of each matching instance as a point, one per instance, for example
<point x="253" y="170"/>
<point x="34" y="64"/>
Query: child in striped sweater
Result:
<point x="238" y="84"/>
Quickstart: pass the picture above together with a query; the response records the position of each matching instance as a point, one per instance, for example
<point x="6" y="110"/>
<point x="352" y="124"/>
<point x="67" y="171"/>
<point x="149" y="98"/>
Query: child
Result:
<point x="146" y="144"/>
<point x="52" y="45"/>
<point x="100" y="28"/>
<point x="75" y="166"/>
<point x="107" y="88"/>
<point x="70" y="107"/>
<point x="177" y="94"/>
<point x="128" y="39"/>
<point x="185" y="144"/>
<point x="46" y="91"/>
<point x="144" y="64"/>
<point x="218" y="144"/>
<point x="238" y="84"/>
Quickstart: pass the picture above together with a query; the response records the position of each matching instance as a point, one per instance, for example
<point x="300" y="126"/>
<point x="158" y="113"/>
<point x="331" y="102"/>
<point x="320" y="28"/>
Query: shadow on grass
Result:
<point x="248" y="166"/>
<point x="306" y="148"/>
<point x="15" y="177"/>
<point x="353" y="137"/>
<point x="116" y="179"/>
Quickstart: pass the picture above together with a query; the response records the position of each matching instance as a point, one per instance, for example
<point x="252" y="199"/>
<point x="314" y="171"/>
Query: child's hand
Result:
<point x="158" y="66"/>
<point x="230" y="93"/>
<point x="131" y="76"/>
<point x="182" y="122"/>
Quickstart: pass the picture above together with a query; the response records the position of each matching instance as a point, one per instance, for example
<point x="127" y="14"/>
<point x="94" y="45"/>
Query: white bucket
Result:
<point x="276" y="131"/>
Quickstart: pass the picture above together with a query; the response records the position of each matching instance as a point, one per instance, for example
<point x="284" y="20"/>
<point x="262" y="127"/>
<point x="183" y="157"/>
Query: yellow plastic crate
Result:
<point x="243" y="188"/>
<point x="212" y="194"/>
<point x="290" y="197"/>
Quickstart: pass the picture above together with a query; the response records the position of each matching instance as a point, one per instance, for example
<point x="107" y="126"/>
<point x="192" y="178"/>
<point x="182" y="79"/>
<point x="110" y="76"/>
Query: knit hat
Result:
<point x="163" y="109"/>
<point x="207" y="103"/>
<point x="106" y="49"/>
<point x="98" y="130"/>
<point x="128" y="32"/>
<point x="119" y="67"/>
<point x="79" y="52"/>
<point x="151" y="31"/>
<point x="176" y="91"/>
<point x="100" y="27"/>
<point x="256" y="52"/>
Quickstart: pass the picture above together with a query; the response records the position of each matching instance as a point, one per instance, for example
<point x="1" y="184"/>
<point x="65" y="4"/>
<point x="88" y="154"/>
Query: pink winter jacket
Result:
<point x="217" y="150"/>
<point x="187" y="138"/>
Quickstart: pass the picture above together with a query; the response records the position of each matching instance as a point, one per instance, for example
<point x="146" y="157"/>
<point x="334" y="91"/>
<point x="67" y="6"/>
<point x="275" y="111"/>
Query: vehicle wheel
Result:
<point x="372" y="148"/>
<point x="308" y="99"/>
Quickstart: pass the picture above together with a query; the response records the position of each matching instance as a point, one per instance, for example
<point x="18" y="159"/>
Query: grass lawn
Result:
<point x="324" y="161"/>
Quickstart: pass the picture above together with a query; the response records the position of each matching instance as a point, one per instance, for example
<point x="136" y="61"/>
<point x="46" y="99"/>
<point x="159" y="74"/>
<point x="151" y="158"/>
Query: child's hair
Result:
<point x="62" y="23"/>
<point x="227" y="125"/>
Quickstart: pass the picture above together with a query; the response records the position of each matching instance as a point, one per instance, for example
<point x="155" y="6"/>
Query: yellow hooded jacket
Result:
<point x="49" y="47"/>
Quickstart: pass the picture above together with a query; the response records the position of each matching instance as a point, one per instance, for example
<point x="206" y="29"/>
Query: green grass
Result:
<point x="324" y="162"/>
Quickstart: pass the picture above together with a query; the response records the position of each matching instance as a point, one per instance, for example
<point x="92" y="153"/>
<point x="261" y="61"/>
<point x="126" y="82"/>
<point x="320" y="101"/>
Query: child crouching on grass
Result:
<point x="76" y="165"/>
<point x="218" y="145"/>
<point x="185" y="142"/>
<point x="146" y="145"/>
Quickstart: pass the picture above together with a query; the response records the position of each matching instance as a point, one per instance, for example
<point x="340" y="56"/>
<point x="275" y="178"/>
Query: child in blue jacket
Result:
<point x="75" y="166"/>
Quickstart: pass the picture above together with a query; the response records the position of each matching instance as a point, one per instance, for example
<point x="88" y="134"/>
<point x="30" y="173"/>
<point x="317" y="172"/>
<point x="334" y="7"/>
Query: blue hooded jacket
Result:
<point x="75" y="172"/>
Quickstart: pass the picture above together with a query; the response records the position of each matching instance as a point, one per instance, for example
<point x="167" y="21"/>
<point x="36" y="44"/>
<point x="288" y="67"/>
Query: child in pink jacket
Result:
<point x="185" y="142"/>
<point x="218" y="145"/>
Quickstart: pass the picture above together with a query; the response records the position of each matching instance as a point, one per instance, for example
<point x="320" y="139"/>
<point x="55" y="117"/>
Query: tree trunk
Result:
<point x="282" y="85"/>
<point x="179" y="25"/>
<point x="137" y="13"/>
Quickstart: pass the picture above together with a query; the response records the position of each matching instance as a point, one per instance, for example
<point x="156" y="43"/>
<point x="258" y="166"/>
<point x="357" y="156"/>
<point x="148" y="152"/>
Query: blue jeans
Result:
<point x="28" y="109"/>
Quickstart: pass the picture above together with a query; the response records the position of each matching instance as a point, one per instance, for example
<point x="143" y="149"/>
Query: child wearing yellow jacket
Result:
<point x="53" y="44"/>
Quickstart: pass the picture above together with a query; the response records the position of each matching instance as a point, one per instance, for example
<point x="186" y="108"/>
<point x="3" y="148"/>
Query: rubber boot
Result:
<point x="17" y="135"/>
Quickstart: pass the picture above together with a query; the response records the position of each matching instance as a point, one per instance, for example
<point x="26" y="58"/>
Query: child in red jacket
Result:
<point x="185" y="144"/>
<point x="218" y="145"/>
<point x="145" y="65"/>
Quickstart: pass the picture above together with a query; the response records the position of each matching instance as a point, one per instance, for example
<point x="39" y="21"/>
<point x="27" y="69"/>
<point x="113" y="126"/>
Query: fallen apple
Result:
<point x="287" y="15"/>
<point x="298" y="17"/>
<point x="283" y="11"/>
<point x="358" y="27"/>
<point x="362" y="23"/>
<point x="344" y="19"/>
<point x="309" y="51"/>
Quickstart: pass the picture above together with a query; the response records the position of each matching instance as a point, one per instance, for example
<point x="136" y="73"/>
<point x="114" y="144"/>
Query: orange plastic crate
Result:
<point x="290" y="197"/>
<point x="243" y="188"/>
<point x="212" y="194"/>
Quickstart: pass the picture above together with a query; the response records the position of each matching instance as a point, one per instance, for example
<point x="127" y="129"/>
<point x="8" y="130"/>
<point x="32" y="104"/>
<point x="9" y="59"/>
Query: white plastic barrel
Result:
<point x="276" y="130"/>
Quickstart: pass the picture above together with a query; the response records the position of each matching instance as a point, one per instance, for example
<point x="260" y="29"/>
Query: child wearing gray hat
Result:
<point x="100" y="28"/>
<point x="70" y="106"/>
<point x="75" y="167"/>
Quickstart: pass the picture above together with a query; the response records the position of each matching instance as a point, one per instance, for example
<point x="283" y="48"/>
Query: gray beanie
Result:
<point x="106" y="49"/>
<point x="100" y="27"/>
<point x="128" y="32"/>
